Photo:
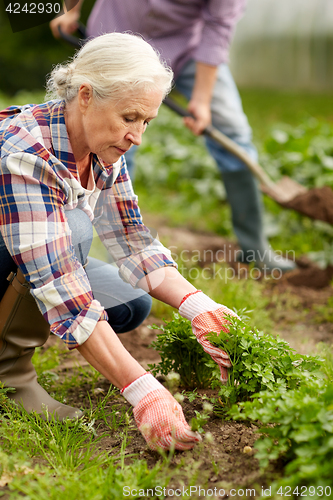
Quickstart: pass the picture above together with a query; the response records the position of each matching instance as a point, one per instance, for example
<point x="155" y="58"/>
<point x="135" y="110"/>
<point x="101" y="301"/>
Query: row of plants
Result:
<point x="289" y="395"/>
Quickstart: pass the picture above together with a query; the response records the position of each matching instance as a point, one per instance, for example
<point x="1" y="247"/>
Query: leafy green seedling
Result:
<point x="181" y="353"/>
<point x="301" y="435"/>
<point x="259" y="362"/>
<point x="201" y="419"/>
<point x="192" y="395"/>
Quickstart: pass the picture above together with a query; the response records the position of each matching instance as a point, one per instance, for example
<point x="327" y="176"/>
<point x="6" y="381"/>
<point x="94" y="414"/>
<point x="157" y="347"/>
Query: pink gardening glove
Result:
<point x="158" y="416"/>
<point x="207" y="316"/>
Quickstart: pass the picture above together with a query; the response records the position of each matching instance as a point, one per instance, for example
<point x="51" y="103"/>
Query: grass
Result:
<point x="67" y="455"/>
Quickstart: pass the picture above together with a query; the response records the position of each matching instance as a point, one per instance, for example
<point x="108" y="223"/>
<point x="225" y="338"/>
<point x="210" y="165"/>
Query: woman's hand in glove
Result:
<point x="207" y="316"/>
<point x="158" y="416"/>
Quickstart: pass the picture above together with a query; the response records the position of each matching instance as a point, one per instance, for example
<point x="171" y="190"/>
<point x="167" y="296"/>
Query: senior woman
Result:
<point x="62" y="172"/>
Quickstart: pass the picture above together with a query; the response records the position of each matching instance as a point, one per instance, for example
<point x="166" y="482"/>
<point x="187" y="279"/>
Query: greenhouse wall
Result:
<point x="284" y="44"/>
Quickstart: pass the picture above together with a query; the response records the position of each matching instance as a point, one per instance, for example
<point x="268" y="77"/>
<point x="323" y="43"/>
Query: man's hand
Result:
<point x="202" y="116"/>
<point x="68" y="22"/>
<point x="158" y="416"/>
<point x="199" y="105"/>
<point x="207" y="316"/>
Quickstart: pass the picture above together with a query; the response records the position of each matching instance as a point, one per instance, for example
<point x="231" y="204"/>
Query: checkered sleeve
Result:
<point x="135" y="248"/>
<point x="35" y="230"/>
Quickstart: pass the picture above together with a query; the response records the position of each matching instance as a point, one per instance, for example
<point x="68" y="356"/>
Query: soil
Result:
<point x="206" y="248"/>
<point x="233" y="466"/>
<point x="308" y="286"/>
<point x="317" y="203"/>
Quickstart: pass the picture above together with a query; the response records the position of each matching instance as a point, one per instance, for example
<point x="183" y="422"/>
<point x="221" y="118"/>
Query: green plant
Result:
<point x="259" y="362"/>
<point x="191" y="395"/>
<point x="5" y="403"/>
<point x="297" y="429"/>
<point x="181" y="353"/>
<point x="199" y="421"/>
<point x="303" y="152"/>
<point x="202" y="418"/>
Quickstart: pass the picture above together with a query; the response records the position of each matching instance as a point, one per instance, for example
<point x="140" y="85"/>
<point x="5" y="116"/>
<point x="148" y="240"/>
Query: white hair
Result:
<point x="113" y="64"/>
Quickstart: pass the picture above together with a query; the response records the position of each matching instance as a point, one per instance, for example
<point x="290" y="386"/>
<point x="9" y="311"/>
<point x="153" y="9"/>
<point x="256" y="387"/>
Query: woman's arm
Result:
<point x="104" y="351"/>
<point x="157" y="414"/>
<point x="166" y="284"/>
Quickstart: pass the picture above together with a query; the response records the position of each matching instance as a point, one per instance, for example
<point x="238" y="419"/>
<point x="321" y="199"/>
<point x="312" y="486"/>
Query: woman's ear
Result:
<point x="85" y="96"/>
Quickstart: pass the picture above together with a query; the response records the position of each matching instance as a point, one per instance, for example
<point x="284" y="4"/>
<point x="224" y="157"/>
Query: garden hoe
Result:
<point x="315" y="203"/>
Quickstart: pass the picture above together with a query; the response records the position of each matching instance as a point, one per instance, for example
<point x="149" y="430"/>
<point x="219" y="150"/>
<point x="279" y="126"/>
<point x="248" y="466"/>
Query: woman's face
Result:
<point x="112" y="127"/>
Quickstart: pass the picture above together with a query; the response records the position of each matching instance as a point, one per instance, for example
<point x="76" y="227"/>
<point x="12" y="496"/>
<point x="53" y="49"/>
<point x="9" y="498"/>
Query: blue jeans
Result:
<point x="126" y="307"/>
<point x="227" y="116"/>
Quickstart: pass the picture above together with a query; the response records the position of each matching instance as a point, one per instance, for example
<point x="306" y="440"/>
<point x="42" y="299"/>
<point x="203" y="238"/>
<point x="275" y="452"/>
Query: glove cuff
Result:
<point x="195" y="304"/>
<point x="137" y="390"/>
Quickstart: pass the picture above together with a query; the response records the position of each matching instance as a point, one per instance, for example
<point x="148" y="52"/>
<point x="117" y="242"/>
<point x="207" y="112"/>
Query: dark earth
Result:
<point x="317" y="203"/>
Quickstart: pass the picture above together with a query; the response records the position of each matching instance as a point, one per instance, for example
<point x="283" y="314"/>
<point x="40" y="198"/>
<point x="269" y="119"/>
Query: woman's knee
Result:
<point x="128" y="316"/>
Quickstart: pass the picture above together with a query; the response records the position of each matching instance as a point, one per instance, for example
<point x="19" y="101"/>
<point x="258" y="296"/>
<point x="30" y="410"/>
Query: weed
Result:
<point x="112" y="416"/>
<point x="5" y="403"/>
<point x="192" y="395"/>
<point x="93" y="484"/>
<point x="202" y="418"/>
<point x="180" y="352"/>
<point x="16" y="464"/>
<point x="301" y="434"/>
<point x="259" y="362"/>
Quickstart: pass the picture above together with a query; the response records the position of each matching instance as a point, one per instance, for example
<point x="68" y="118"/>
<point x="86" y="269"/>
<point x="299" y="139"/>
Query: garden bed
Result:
<point x="220" y="463"/>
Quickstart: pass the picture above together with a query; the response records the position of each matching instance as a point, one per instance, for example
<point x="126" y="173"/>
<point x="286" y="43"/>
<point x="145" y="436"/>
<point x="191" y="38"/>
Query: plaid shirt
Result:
<point x="39" y="182"/>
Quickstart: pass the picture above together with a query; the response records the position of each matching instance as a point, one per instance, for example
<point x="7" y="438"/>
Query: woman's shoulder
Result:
<point x="28" y="113"/>
<point x="29" y="120"/>
<point x="7" y="115"/>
